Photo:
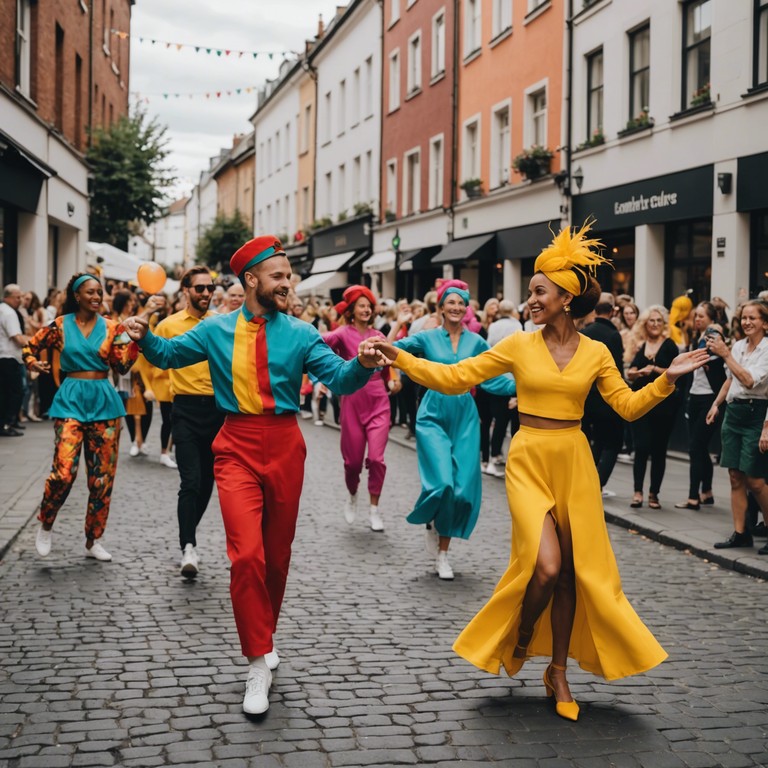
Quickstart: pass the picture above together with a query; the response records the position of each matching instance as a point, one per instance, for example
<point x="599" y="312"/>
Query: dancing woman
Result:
<point x="448" y="432"/>
<point x="561" y="595"/>
<point x="365" y="414"/>
<point x="86" y="408"/>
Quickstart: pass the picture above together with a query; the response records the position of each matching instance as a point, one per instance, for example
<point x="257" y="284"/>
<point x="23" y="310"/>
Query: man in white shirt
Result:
<point x="11" y="341"/>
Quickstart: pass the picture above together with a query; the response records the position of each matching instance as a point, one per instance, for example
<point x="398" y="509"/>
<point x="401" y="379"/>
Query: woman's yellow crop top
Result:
<point x="542" y="388"/>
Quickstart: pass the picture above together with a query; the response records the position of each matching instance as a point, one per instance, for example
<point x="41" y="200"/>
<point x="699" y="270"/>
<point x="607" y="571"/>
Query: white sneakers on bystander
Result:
<point x="377" y="523"/>
<point x="167" y="461"/>
<point x="134" y="451"/>
<point x="491" y="468"/>
<point x="43" y="541"/>
<point x="272" y="659"/>
<point x="189" y="562"/>
<point x="443" y="567"/>
<point x="350" y="508"/>
<point x="98" y="552"/>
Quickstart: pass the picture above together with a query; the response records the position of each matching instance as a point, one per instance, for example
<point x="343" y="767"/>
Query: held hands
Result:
<point x="685" y="363"/>
<point x="40" y="366"/>
<point x="136" y="327"/>
<point x="382" y="348"/>
<point x="712" y="414"/>
<point x="369" y="357"/>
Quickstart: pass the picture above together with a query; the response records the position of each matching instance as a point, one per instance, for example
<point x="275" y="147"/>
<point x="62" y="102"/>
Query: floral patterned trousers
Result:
<point x="100" y="440"/>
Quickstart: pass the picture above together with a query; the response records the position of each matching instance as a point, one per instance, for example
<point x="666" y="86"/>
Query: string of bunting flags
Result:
<point x="144" y="97"/>
<point x="203" y="48"/>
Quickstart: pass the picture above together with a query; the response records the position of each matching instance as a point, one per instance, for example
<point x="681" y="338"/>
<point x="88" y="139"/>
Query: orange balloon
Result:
<point x="151" y="277"/>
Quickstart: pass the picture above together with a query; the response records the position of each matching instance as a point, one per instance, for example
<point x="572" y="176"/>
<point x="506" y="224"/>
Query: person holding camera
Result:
<point x="706" y="383"/>
<point x="744" y="434"/>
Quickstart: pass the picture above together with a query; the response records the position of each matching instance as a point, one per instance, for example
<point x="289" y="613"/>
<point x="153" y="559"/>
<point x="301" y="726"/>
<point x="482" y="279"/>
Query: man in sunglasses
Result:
<point x="195" y="420"/>
<point x="257" y="357"/>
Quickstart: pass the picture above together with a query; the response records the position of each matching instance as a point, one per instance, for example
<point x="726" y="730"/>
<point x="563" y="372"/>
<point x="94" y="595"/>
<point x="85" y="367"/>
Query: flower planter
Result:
<point x="474" y="192"/>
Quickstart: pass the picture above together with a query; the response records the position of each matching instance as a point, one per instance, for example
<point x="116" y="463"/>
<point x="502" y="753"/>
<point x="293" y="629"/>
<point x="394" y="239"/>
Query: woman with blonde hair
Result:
<point x="562" y="573"/>
<point x="651" y="432"/>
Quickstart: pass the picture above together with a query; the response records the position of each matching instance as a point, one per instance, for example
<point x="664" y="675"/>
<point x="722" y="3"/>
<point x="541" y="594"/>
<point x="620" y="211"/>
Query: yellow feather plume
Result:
<point x="571" y="249"/>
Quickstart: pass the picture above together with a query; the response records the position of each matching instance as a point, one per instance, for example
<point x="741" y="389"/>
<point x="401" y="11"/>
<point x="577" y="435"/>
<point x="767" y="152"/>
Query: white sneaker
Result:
<point x="319" y="423"/>
<point x="350" y="508"/>
<point x="443" y="567"/>
<point x="377" y="524"/>
<point x="167" y="461"/>
<point x="189" y="562"/>
<point x="491" y="469"/>
<point x="607" y="494"/>
<point x="144" y="451"/>
<point x="43" y="542"/>
<point x="98" y="552"/>
<point x="256" y="700"/>
<point x="499" y="461"/>
<point x="305" y="414"/>
<point x="272" y="659"/>
<point x="134" y="450"/>
<point x="432" y="540"/>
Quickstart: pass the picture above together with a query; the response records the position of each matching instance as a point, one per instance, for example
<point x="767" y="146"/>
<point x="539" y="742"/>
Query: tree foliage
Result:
<point x="221" y="240"/>
<point x="130" y="177"/>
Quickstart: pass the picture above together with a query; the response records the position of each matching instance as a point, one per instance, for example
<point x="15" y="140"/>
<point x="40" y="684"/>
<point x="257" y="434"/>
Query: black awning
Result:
<point x="21" y="175"/>
<point x="526" y="241"/>
<point x="418" y="258"/>
<point x="359" y="257"/>
<point x="468" y="248"/>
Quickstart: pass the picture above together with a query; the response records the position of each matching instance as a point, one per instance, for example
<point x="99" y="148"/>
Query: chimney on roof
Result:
<point x="320" y="27"/>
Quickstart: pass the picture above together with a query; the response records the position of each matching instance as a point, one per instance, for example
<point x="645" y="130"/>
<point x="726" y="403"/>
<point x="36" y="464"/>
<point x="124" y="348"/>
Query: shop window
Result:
<point x="688" y="246"/>
<point x="697" y="35"/>
<point x="760" y="53"/>
<point x="759" y="260"/>
<point x="639" y="71"/>
<point x="595" y="95"/>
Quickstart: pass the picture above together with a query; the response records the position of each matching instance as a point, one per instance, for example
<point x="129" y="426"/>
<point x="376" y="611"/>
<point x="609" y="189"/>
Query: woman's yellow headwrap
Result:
<point x="569" y="259"/>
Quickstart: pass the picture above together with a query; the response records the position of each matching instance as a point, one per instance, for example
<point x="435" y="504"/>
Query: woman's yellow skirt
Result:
<point x="553" y="471"/>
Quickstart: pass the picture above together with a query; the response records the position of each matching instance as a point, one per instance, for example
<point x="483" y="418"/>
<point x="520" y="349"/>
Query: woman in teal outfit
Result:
<point x="448" y="432"/>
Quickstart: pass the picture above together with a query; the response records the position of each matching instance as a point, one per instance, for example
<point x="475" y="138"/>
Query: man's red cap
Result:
<point x="253" y="252"/>
<point x="352" y="294"/>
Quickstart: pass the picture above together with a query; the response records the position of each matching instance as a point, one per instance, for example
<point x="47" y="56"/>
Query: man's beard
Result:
<point x="267" y="300"/>
<point x="196" y="303"/>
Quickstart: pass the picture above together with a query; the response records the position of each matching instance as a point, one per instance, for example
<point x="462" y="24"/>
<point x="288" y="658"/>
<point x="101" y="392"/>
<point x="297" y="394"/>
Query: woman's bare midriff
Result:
<point x="541" y="422"/>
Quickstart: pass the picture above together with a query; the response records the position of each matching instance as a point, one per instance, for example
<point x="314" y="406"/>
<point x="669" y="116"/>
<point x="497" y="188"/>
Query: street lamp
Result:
<point x="578" y="177"/>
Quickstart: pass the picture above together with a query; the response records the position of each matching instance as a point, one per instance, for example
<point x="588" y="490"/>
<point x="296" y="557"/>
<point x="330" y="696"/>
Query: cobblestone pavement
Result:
<point x="125" y="664"/>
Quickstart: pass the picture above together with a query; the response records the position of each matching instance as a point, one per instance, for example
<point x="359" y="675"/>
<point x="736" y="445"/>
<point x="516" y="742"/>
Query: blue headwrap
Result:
<point x="80" y="280"/>
<point x="458" y="291"/>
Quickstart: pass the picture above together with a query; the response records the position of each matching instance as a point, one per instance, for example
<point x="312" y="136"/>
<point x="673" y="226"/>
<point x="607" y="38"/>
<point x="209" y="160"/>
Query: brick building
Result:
<point x="63" y="72"/>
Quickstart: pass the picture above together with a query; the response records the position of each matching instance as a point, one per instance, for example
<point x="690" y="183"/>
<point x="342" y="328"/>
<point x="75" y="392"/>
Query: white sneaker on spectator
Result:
<point x="305" y="414"/>
<point x="167" y="461"/>
<point x="607" y="494"/>
<point x="98" y="552"/>
<point x="499" y="461"/>
<point x="432" y="540"/>
<point x="443" y="567"/>
<point x="377" y="524"/>
<point x="625" y="458"/>
<point x="134" y="450"/>
<point x="272" y="659"/>
<point x="491" y="469"/>
<point x="144" y="451"/>
<point x="189" y="563"/>
<point x="256" y="700"/>
<point x="43" y="542"/>
<point x="350" y="508"/>
<point x="319" y="423"/>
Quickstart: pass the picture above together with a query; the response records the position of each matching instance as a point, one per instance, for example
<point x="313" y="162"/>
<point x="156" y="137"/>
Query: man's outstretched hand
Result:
<point x="136" y="327"/>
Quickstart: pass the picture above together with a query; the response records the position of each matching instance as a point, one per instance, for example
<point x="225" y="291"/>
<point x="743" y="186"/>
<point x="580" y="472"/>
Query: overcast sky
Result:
<point x="199" y="127"/>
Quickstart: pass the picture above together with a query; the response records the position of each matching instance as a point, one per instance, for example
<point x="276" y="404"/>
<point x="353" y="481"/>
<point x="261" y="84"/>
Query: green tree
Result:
<point x="221" y="240"/>
<point x="130" y="177"/>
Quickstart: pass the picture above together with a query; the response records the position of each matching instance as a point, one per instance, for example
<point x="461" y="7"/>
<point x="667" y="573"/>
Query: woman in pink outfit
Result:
<point x="365" y="414"/>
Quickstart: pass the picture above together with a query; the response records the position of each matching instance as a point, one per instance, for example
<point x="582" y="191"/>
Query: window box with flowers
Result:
<point x="701" y="96"/>
<point x="639" y="123"/>
<point x="472" y="187"/>
<point x="533" y="162"/>
<point x="598" y="139"/>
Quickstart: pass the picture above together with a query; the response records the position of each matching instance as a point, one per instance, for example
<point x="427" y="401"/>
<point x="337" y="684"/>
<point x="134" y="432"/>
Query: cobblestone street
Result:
<point x="126" y="664"/>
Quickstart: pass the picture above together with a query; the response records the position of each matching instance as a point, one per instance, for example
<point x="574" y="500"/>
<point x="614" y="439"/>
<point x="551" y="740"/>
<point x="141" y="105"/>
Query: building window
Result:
<point x="537" y="105"/>
<point x="342" y="184"/>
<point x="78" y="101"/>
<point x="369" y="194"/>
<point x="394" y="11"/>
<point x="639" y="71"/>
<point x="438" y="44"/>
<point x="391" y="189"/>
<point x="436" y="172"/>
<point x="277" y="161"/>
<point x="394" y="80"/>
<point x="697" y="34"/>
<point x="368" y="92"/>
<point x="286" y="212"/>
<point x="472" y="26"/>
<point x="412" y="183"/>
<point x="502" y="17"/>
<point x="23" y="45"/>
<point x="594" y="94"/>
<point x="356" y="179"/>
<point x="328" y="193"/>
<point x="688" y="258"/>
<point x="59" y="81"/>
<point x="327" y="118"/>
<point x="342" y="121"/>
<point x="354" y="112"/>
<point x="501" y="148"/>
<point x="278" y="215"/>
<point x="414" y="63"/>
<point x="471" y="154"/>
<point x="104" y="27"/>
<point x="534" y="4"/>
<point x="760" y="76"/>
<point x="305" y="211"/>
<point x="306" y="128"/>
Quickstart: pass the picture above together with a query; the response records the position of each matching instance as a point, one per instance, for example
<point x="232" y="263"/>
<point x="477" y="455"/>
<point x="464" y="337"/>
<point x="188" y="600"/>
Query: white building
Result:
<point x="276" y="128"/>
<point x="679" y="93"/>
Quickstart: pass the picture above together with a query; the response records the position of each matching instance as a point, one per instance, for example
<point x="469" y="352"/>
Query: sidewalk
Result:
<point x="24" y="462"/>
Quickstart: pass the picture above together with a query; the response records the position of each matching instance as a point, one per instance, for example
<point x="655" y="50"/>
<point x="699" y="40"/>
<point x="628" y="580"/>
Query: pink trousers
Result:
<point x="259" y="470"/>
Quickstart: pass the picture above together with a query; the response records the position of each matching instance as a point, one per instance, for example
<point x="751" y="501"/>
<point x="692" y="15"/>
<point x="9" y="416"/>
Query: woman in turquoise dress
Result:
<point x="86" y="409"/>
<point x="448" y="432"/>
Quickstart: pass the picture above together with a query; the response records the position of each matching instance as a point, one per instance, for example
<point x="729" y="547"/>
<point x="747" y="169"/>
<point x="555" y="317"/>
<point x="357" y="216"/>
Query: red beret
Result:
<point x="352" y="294"/>
<point x="254" y="251"/>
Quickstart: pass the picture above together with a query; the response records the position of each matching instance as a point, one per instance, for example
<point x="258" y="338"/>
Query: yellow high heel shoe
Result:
<point x="567" y="709"/>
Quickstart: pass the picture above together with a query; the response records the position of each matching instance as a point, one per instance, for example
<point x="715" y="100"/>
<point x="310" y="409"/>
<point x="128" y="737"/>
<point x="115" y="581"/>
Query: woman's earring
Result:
<point x="567" y="309"/>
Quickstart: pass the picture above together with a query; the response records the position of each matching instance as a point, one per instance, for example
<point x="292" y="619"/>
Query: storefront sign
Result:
<point x="675" y="197"/>
<point x="350" y="235"/>
<point x="751" y="189"/>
